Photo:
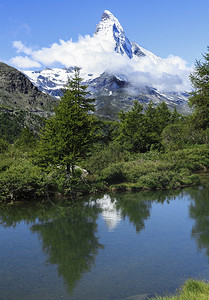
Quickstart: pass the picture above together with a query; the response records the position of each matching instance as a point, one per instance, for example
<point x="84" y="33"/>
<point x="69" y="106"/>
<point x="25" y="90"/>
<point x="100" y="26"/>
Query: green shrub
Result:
<point x="21" y="180"/>
<point x="4" y="145"/>
<point x="180" y="135"/>
<point x="160" y="180"/>
<point x="169" y="170"/>
<point x="114" y="173"/>
<point x="105" y="156"/>
<point x="191" y="290"/>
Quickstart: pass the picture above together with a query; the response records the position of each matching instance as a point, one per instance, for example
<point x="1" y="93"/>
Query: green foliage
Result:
<point x="193" y="159"/>
<point x="133" y="170"/>
<point x="13" y="122"/>
<point x="106" y="131"/>
<point x="191" y="290"/>
<point x="140" y="132"/>
<point x="199" y="99"/>
<point x="26" y="139"/>
<point x="21" y="179"/>
<point x="132" y="134"/>
<point x="105" y="156"/>
<point x="4" y="145"/>
<point x="10" y="125"/>
<point x="59" y="183"/>
<point x="69" y="133"/>
<point x="145" y="175"/>
<point x="183" y="134"/>
<point x="153" y="170"/>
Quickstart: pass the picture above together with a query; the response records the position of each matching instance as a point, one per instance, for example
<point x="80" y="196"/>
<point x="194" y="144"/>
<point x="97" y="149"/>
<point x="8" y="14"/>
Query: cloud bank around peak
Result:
<point x="96" y="55"/>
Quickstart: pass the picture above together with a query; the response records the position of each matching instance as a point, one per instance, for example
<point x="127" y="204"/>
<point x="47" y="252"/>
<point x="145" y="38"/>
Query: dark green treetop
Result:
<point x="69" y="133"/>
<point x="199" y="99"/>
<point x="132" y="131"/>
<point x="140" y="131"/>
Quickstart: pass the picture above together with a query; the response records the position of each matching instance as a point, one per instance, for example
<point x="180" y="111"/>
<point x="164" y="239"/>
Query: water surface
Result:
<point x="122" y="246"/>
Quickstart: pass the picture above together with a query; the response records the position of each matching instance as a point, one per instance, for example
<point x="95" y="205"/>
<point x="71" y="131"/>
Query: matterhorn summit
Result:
<point x="116" y="71"/>
<point x="110" y="29"/>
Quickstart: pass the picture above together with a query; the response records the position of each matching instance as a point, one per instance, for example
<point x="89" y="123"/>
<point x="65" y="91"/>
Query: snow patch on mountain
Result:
<point x="52" y="81"/>
<point x="109" y="50"/>
<point x="110" y="29"/>
<point x="116" y="70"/>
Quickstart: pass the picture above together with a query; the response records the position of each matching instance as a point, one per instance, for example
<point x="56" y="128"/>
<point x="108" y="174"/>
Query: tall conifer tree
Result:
<point x="69" y="133"/>
<point x="199" y="99"/>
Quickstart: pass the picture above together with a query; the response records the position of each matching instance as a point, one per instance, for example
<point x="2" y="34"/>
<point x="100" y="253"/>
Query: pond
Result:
<point x="112" y="246"/>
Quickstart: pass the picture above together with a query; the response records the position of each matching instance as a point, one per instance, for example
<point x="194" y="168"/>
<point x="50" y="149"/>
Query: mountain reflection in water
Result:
<point x="109" y="211"/>
<point x="152" y="250"/>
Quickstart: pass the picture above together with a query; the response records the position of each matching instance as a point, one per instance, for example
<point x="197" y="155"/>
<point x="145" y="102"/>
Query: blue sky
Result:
<point x="177" y="31"/>
<point x="178" y="27"/>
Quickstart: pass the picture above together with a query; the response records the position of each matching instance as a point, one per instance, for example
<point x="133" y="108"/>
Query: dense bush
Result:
<point x="180" y="135"/>
<point x="154" y="170"/>
<point x="13" y="122"/>
<point x="21" y="179"/>
<point x="104" y="156"/>
<point x="4" y="145"/>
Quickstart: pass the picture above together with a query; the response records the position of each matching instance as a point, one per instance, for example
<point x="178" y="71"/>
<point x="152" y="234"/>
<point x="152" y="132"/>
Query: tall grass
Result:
<point x="191" y="290"/>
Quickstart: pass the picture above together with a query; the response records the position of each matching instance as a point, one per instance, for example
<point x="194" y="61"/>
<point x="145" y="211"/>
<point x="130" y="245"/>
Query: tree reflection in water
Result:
<point x="199" y="211"/>
<point x="67" y="232"/>
<point x="135" y="206"/>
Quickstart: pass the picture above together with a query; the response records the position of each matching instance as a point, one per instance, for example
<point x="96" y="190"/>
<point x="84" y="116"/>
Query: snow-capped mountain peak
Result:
<point x="108" y="24"/>
<point x="110" y="28"/>
<point x="119" y="74"/>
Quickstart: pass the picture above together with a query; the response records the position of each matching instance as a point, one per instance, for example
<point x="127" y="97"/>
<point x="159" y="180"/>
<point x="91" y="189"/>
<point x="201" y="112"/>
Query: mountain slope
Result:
<point x="114" y="90"/>
<point x="17" y="92"/>
<point x="115" y="93"/>
<point x="110" y="29"/>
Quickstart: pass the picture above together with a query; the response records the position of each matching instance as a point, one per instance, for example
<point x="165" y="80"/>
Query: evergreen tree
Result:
<point x="141" y="131"/>
<point x="26" y="139"/>
<point x="163" y="116"/>
<point x="157" y="118"/>
<point x="199" y="99"/>
<point x="68" y="134"/>
<point x="132" y="129"/>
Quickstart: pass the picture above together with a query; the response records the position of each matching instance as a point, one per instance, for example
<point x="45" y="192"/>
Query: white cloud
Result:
<point x="169" y="74"/>
<point x="20" y="47"/>
<point x="96" y="55"/>
<point x="24" y="62"/>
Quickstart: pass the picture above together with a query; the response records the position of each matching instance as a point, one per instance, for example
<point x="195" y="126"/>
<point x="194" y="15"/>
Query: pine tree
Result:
<point x="141" y="131"/>
<point x="132" y="131"/>
<point x="69" y="133"/>
<point x="26" y="139"/>
<point x="199" y="99"/>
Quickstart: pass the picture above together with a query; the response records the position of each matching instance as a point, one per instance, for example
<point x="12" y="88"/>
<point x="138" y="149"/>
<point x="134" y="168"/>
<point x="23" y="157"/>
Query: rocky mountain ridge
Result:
<point x="113" y="91"/>
<point x="17" y="92"/>
<point x="110" y="29"/>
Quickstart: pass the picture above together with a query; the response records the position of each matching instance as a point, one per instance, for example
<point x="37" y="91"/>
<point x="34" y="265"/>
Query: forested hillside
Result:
<point x="77" y="152"/>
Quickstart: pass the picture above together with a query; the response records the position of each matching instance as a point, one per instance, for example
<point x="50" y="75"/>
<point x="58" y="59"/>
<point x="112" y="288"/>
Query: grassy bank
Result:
<point x="191" y="290"/>
<point x="21" y="176"/>
<point x="150" y="171"/>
